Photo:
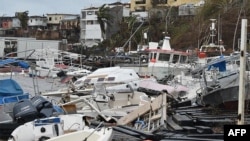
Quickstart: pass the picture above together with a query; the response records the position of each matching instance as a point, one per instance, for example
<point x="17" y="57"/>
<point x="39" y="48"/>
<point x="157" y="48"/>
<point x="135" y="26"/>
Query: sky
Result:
<point x="43" y="7"/>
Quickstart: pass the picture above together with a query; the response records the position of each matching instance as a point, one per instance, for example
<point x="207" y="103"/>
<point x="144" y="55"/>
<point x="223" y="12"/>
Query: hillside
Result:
<point x="226" y="26"/>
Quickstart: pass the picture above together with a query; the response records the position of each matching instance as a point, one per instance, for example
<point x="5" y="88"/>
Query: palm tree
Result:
<point x="131" y="20"/>
<point x="104" y="18"/>
<point x="138" y="29"/>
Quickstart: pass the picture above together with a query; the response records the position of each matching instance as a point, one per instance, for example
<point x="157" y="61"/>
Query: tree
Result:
<point x="104" y="18"/>
<point x="23" y="18"/>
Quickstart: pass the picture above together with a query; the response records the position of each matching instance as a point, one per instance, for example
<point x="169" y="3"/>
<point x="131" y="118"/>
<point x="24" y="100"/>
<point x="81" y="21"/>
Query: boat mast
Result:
<point x="212" y="29"/>
<point x="241" y="99"/>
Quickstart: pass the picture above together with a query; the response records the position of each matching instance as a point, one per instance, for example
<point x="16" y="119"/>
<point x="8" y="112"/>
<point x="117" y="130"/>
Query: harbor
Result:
<point x="183" y="120"/>
<point x="127" y="103"/>
<point x="164" y="71"/>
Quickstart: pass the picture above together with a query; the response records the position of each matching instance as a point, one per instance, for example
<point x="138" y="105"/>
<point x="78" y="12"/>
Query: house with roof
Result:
<point x="146" y="5"/>
<point x="8" y="25"/>
<point x="91" y="33"/>
<point x="37" y="22"/>
<point x="69" y="28"/>
<point x="53" y="20"/>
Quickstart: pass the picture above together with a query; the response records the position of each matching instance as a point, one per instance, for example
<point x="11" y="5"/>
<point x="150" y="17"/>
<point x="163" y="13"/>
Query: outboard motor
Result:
<point x="61" y="74"/>
<point x="24" y="111"/>
<point x="43" y="106"/>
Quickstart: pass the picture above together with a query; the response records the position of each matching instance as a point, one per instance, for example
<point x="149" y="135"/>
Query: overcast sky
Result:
<point x="40" y="7"/>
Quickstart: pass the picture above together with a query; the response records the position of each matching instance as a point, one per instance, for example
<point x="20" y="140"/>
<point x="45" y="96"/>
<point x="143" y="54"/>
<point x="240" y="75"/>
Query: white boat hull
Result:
<point x="90" y="134"/>
<point x="48" y="128"/>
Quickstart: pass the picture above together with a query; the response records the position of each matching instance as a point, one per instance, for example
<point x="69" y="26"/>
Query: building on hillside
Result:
<point x="145" y="5"/>
<point x="36" y="26"/>
<point x="70" y="28"/>
<point x="91" y="33"/>
<point x="53" y="21"/>
<point x="141" y="15"/>
<point x="37" y="22"/>
<point x="8" y="25"/>
<point x="187" y="10"/>
<point x="90" y="28"/>
<point x="6" y="22"/>
<point x="144" y="9"/>
<point x="15" y="23"/>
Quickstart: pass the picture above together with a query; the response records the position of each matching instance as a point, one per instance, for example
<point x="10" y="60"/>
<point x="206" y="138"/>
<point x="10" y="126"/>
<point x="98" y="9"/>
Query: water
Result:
<point x="27" y="83"/>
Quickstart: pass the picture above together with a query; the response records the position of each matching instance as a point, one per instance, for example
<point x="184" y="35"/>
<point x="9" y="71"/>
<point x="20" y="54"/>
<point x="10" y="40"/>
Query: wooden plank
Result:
<point x="155" y="117"/>
<point x="156" y="103"/>
<point x="140" y="111"/>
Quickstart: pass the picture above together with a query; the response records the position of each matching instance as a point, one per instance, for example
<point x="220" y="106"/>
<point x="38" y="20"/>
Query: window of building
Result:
<point x="89" y="13"/>
<point x="90" y="22"/>
<point x="140" y="2"/>
<point x="163" y="2"/>
<point x="50" y="18"/>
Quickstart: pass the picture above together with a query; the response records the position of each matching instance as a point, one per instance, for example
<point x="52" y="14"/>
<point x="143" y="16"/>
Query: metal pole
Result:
<point x="133" y="34"/>
<point x="241" y="100"/>
<point x="236" y="28"/>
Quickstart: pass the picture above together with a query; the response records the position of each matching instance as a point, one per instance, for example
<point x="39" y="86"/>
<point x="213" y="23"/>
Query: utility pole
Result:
<point x="242" y="92"/>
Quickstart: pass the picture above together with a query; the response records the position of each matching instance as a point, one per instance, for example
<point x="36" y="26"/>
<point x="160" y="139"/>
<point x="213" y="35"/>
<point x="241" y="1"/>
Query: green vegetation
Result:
<point x="186" y="32"/>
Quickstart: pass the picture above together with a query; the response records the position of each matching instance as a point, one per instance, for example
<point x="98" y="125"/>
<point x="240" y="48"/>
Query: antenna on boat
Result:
<point x="213" y="30"/>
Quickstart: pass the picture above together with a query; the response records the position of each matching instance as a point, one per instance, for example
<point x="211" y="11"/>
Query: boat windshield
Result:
<point x="164" y="57"/>
<point x="183" y="59"/>
<point x="175" y="58"/>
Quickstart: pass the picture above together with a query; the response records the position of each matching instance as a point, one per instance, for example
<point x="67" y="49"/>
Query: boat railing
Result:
<point x="47" y="121"/>
<point x="30" y="50"/>
<point x="96" y="129"/>
<point x="16" y="98"/>
<point x="8" y="102"/>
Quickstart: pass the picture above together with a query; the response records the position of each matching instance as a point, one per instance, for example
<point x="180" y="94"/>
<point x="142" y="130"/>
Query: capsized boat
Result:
<point x="114" y="78"/>
<point x="223" y="88"/>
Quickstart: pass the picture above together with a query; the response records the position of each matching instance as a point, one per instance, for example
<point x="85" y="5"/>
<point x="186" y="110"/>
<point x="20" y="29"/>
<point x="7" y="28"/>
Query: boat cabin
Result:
<point x="209" y="52"/>
<point x="111" y="75"/>
<point x="165" y="54"/>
